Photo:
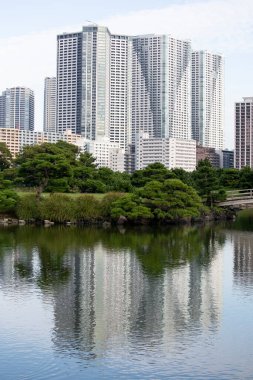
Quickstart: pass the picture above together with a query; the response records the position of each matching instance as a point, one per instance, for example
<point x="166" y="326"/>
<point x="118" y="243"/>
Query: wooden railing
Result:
<point x="238" y="198"/>
<point x="239" y="194"/>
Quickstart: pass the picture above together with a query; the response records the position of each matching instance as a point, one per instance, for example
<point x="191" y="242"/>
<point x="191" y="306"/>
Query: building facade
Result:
<point x="17" y="108"/>
<point x="16" y="139"/>
<point x="107" y="154"/>
<point x="244" y="133"/>
<point x="211" y="154"/>
<point x="226" y="158"/>
<point x="208" y="99"/>
<point x="114" y="86"/>
<point x="49" y="124"/>
<point x="171" y="152"/>
<point x="161" y="87"/>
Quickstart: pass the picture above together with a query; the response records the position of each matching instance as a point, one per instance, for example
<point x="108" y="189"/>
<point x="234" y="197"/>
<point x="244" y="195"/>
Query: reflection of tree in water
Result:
<point x="155" y="249"/>
<point x="66" y="265"/>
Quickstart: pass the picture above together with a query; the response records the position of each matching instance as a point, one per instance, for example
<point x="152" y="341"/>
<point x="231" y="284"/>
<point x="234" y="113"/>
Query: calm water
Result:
<point x="102" y="304"/>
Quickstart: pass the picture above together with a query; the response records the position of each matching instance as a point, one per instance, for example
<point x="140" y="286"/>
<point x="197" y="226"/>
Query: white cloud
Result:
<point x="225" y="26"/>
<point x="213" y="24"/>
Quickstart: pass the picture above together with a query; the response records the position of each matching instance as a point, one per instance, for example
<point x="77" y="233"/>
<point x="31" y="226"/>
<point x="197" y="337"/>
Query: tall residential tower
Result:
<point x="49" y="124"/>
<point x="244" y="133"/>
<point x="17" y="108"/>
<point x="208" y="99"/>
<point x="116" y="86"/>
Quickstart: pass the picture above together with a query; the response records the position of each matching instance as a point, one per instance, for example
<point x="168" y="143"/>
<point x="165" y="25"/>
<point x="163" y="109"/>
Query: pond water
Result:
<point x="126" y="304"/>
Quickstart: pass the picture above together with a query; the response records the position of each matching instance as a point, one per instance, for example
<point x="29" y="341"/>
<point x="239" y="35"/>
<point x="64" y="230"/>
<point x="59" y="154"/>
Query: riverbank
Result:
<point x="7" y="220"/>
<point x="169" y="202"/>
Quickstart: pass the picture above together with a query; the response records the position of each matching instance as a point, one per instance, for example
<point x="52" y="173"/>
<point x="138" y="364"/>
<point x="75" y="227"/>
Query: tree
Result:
<point x="166" y="201"/>
<point x="171" y="200"/>
<point x="183" y="175"/>
<point x="229" y="178"/>
<point x="5" y="157"/>
<point x="246" y="178"/>
<point x="130" y="206"/>
<point x="39" y="164"/>
<point x="153" y="172"/>
<point x="205" y="179"/>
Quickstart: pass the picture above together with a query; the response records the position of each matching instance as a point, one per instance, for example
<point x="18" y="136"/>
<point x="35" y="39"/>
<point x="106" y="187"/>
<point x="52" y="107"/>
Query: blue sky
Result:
<point x="28" y="30"/>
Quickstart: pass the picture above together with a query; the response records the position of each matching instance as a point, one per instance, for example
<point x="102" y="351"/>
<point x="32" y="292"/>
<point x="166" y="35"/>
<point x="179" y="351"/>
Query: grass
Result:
<point x="22" y="193"/>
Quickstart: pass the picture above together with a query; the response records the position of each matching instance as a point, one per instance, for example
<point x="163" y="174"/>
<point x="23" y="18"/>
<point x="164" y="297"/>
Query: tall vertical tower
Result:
<point x="17" y="108"/>
<point x="69" y="82"/>
<point x="120" y="90"/>
<point x="208" y="99"/>
<point x="161" y="86"/>
<point x="95" y="97"/>
<point x="49" y="124"/>
<point x="244" y="133"/>
<point x="2" y="111"/>
<point x="115" y="86"/>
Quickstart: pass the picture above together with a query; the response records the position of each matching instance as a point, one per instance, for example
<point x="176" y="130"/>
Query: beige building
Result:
<point x="16" y="139"/>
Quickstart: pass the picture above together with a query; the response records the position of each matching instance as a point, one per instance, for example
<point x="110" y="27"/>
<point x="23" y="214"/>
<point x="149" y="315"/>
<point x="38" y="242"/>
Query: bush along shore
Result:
<point x="167" y="202"/>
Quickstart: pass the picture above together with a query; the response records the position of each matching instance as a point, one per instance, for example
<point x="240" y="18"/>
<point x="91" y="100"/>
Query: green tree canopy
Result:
<point x="39" y="164"/>
<point x="205" y="178"/>
<point x="5" y="157"/>
<point x="153" y="172"/>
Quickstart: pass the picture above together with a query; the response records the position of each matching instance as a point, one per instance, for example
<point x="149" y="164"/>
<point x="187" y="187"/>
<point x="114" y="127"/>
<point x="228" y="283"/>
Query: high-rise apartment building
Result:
<point x="49" y="124"/>
<point x="161" y="86"/>
<point x="208" y="99"/>
<point x="244" y="133"/>
<point x="17" y="108"/>
<point x="114" y="86"/>
<point x="69" y="82"/>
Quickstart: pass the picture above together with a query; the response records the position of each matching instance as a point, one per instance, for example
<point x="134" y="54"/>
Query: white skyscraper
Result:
<point x="17" y="108"/>
<point x="69" y="82"/>
<point x="161" y="87"/>
<point x="50" y="105"/>
<point x="208" y="99"/>
<point x="114" y="86"/>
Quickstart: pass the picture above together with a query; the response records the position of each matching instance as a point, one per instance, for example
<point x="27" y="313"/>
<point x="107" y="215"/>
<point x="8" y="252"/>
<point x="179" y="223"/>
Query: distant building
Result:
<point x="17" y="108"/>
<point x="226" y="158"/>
<point x="114" y="86"/>
<point x="171" y="152"/>
<point x="208" y="99"/>
<point x="244" y="133"/>
<point x="107" y="154"/>
<point x="16" y="139"/>
<point x="49" y="124"/>
<point x="203" y="152"/>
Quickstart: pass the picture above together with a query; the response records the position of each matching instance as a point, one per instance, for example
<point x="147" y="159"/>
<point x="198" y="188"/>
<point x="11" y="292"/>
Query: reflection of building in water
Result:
<point x="16" y="266"/>
<point x="74" y="304"/>
<point x="192" y="296"/>
<point x="108" y="297"/>
<point x="243" y="258"/>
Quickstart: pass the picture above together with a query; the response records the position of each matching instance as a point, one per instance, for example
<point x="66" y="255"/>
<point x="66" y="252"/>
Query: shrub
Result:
<point x="58" y="208"/>
<point x="8" y="201"/>
<point x="28" y="207"/>
<point x="87" y="208"/>
<point x="107" y="201"/>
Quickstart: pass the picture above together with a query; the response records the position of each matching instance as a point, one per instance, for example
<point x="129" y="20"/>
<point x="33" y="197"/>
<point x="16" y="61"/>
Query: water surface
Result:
<point x="126" y="304"/>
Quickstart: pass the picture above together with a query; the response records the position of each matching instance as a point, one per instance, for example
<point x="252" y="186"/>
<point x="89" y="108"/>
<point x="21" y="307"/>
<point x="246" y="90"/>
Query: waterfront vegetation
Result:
<point x="55" y="182"/>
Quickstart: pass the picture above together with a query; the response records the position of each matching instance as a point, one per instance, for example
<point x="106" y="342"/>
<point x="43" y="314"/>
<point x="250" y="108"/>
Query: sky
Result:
<point x="28" y="31"/>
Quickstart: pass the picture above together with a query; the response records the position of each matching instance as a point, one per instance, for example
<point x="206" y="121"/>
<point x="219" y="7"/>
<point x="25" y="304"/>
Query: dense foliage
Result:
<point x="151" y="194"/>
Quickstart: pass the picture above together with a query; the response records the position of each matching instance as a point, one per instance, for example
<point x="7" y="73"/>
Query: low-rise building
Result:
<point x="203" y="152"/>
<point x="108" y="154"/>
<point x="171" y="152"/>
